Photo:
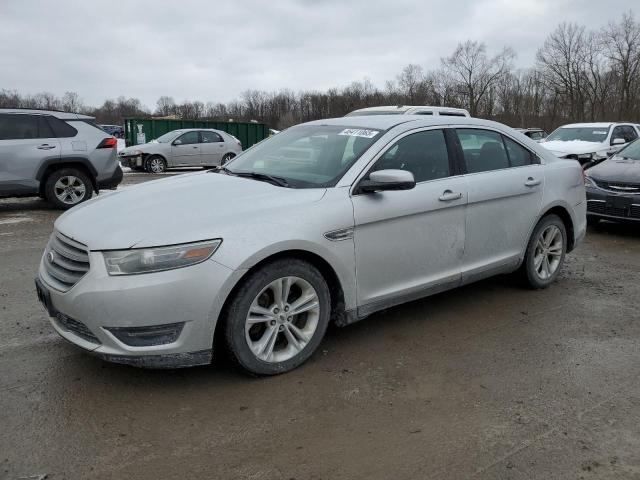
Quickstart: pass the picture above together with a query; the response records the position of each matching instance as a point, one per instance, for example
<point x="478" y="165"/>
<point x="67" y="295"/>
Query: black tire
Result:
<point x="156" y="160"/>
<point x="529" y="272"/>
<point x="236" y="312"/>
<point x="226" y="158"/>
<point x="53" y="192"/>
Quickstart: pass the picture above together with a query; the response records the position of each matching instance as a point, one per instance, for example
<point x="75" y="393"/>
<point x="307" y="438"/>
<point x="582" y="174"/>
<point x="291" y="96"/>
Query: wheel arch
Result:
<point x="566" y="218"/>
<point x="325" y="268"/>
<point x="83" y="164"/>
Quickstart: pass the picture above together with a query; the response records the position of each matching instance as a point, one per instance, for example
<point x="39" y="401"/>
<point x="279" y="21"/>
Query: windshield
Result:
<point x="632" y="151"/>
<point x="167" y="137"/>
<point x="586" y="134"/>
<point x="306" y="156"/>
<point x="373" y="112"/>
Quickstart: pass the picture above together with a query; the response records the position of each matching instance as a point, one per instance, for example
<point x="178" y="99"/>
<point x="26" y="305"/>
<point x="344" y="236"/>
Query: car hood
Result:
<point x="616" y="169"/>
<point x="180" y="209"/>
<point x="575" y="147"/>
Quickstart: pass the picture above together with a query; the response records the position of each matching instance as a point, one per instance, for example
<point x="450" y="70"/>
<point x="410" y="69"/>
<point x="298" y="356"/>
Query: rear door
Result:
<point x="410" y="243"/>
<point x="211" y="148"/>
<point x="26" y="142"/>
<point x="505" y="182"/>
<point x="185" y="150"/>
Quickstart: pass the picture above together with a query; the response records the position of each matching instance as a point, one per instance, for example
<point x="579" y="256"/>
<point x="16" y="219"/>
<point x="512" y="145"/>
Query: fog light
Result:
<point x="147" y="336"/>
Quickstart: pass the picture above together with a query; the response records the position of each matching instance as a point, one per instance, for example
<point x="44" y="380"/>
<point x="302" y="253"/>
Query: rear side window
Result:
<point x="210" y="137"/>
<point x="424" y="154"/>
<point x="483" y="150"/>
<point x="60" y="128"/>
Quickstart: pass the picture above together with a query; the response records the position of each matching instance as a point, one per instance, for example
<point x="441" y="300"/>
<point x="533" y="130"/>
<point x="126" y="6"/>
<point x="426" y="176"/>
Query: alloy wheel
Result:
<point x="156" y="165"/>
<point x="282" y="319"/>
<point x="548" y="252"/>
<point x="69" y="190"/>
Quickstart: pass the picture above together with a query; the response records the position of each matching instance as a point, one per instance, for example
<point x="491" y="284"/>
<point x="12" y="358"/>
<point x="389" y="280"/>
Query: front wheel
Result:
<point x="155" y="164"/>
<point x="277" y="318"/>
<point x="545" y="252"/>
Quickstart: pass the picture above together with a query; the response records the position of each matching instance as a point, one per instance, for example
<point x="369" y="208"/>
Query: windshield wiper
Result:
<point x="279" y="181"/>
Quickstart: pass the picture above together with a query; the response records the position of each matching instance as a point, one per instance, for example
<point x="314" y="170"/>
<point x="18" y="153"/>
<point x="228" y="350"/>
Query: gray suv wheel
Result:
<point x="67" y="187"/>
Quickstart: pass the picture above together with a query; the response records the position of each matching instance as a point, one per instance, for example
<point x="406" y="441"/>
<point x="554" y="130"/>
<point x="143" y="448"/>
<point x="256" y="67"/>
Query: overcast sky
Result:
<point x="213" y="50"/>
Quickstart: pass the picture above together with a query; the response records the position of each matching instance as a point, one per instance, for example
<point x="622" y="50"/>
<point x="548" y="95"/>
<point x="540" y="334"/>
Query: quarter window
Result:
<point x="211" y="137"/>
<point x="483" y="150"/>
<point x="518" y="155"/>
<point x="424" y="154"/>
<point x="60" y="128"/>
<point x="189" y="138"/>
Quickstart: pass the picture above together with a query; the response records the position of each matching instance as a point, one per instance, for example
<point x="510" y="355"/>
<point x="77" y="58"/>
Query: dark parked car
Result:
<point x="613" y="187"/>
<point x="115" y="130"/>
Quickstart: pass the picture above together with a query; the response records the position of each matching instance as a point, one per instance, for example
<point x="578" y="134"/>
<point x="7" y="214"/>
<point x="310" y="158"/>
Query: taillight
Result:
<point x="110" y="142"/>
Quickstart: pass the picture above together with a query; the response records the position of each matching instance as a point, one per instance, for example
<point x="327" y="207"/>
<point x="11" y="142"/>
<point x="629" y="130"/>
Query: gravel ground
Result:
<point x="490" y="381"/>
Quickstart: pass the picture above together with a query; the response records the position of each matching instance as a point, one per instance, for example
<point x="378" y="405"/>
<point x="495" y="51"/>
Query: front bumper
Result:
<point x="612" y="206"/>
<point x="131" y="161"/>
<point x="193" y="295"/>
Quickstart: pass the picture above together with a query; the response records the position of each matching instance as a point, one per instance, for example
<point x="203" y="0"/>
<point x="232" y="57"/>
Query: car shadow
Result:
<point x="623" y="229"/>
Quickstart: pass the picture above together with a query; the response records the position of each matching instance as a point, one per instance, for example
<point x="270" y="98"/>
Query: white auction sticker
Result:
<point x="359" y="132"/>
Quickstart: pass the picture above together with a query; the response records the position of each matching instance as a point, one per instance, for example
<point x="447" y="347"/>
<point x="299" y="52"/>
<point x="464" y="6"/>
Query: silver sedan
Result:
<point x="330" y="220"/>
<point x="194" y="147"/>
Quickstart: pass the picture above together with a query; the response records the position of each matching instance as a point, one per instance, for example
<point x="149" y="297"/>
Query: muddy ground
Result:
<point x="490" y="381"/>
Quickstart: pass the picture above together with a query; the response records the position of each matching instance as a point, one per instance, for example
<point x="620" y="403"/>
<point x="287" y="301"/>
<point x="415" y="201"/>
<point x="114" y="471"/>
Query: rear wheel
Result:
<point x="67" y="187"/>
<point x="545" y="252"/>
<point x="277" y="318"/>
<point x="226" y="158"/>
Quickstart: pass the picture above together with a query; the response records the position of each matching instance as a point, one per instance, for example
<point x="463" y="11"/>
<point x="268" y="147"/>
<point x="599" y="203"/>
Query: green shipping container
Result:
<point x="247" y="133"/>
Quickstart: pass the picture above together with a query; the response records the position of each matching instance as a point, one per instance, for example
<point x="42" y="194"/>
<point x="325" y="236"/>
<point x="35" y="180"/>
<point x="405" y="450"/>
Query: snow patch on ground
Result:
<point x="12" y="219"/>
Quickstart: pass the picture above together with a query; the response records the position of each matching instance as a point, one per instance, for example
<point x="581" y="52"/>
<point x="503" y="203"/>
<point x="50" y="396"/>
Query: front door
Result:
<point x="185" y="150"/>
<point x="505" y="182"/>
<point x="409" y="243"/>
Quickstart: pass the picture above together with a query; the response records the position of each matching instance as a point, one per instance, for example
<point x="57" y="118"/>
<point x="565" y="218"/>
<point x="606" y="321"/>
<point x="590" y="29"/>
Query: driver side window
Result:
<point x="188" y="138"/>
<point x="424" y="154"/>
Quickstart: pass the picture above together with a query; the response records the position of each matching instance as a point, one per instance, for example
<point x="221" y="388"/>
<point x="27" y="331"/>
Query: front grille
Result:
<point x="65" y="262"/>
<point x="600" y="207"/>
<point x="618" y="187"/>
<point x="77" y="328"/>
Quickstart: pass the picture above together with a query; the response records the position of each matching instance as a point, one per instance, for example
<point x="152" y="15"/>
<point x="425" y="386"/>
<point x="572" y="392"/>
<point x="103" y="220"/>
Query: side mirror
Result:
<point x="177" y="142"/>
<point x="387" y="180"/>
<point x="618" y="141"/>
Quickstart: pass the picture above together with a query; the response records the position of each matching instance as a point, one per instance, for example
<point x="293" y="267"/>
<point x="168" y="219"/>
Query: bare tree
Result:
<point x="165" y="106"/>
<point x="475" y="73"/>
<point x="622" y="47"/>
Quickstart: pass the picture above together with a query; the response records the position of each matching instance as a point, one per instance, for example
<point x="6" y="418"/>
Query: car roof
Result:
<point x="405" y="108"/>
<point x="54" y="113"/>
<point x="385" y="122"/>
<point x="588" y="125"/>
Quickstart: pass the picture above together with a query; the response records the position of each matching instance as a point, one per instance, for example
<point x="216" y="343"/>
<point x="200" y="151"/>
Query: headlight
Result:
<point x="588" y="182"/>
<point x="147" y="260"/>
<point x="585" y="156"/>
<point x="131" y="153"/>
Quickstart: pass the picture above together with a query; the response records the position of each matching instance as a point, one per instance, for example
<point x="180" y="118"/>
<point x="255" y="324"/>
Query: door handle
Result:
<point x="195" y="146"/>
<point x="448" y="196"/>
<point x="532" y="182"/>
<point x="45" y="146"/>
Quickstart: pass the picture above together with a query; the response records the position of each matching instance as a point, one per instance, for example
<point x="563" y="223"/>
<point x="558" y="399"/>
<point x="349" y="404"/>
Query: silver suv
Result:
<point x="62" y="157"/>
<point x="188" y="147"/>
